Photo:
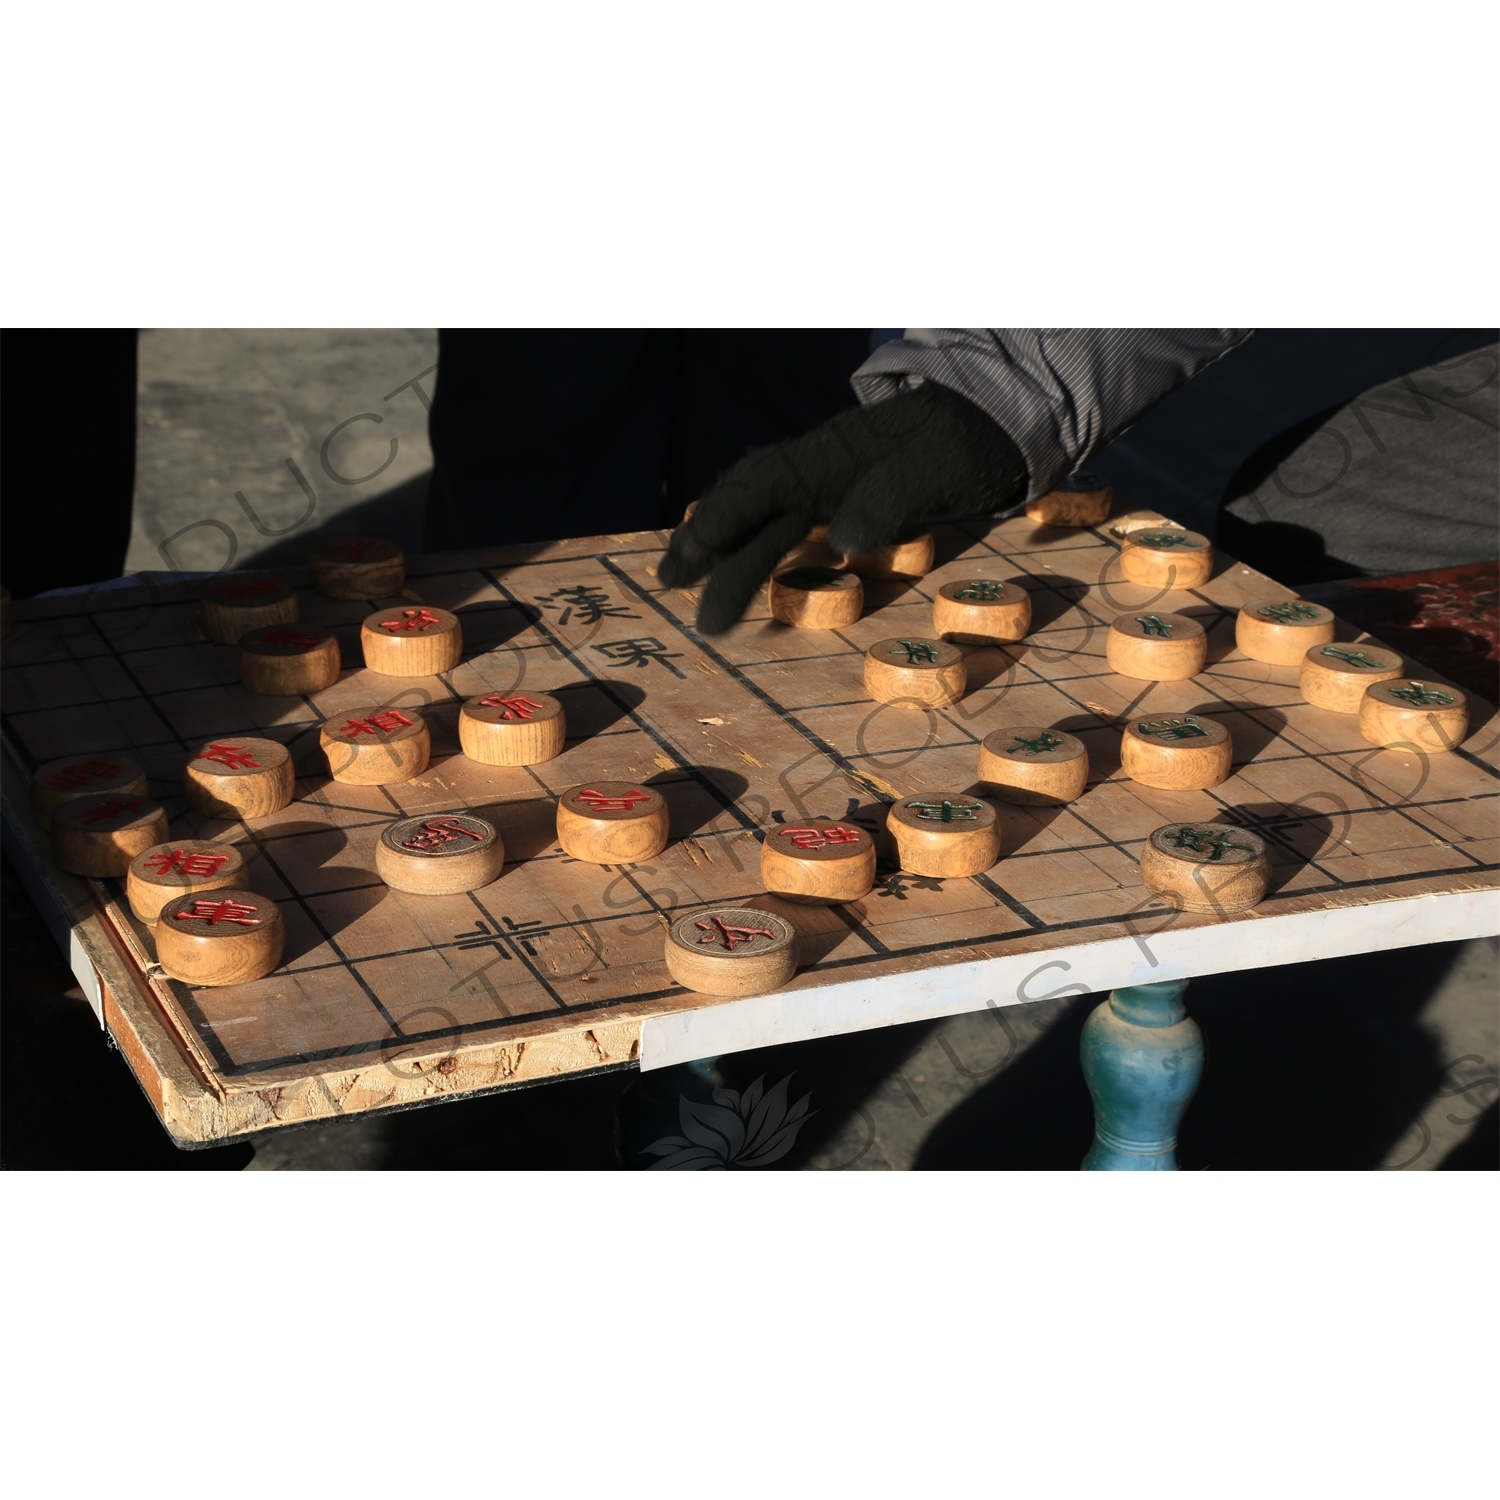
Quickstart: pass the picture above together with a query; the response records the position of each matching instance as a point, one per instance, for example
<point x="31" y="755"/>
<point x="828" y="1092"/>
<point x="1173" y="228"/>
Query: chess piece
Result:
<point x="164" y="872"/>
<point x="239" y="777"/>
<point x="73" y="776"/>
<point x="910" y="557"/>
<point x="981" y="612"/>
<point x="99" y="835"/>
<point x="816" y="598"/>
<point x="612" y="822"/>
<point x="1156" y="647"/>
<point x="1176" y="752"/>
<point x="1336" y="676"/>
<point x="1167" y="558"/>
<point x="944" y="834"/>
<point x="1033" y="766"/>
<point x="1404" y="712"/>
<point x="819" y="862"/>
<point x="229" y="936"/>
<point x="1280" y="631"/>
<point x="516" y="729"/>
<point x="731" y="950"/>
<point x="1212" y="867"/>
<point x="227" y="610"/>
<point x="288" y="659"/>
<point x="916" y="673"/>
<point x="358" y="567"/>
<point x="376" y="746"/>
<point x="419" y="642"/>
<point x="439" y="856"/>
<point x="1083" y="501"/>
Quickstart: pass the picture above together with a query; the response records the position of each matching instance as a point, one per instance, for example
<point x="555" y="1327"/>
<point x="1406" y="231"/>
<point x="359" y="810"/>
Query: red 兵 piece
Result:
<point x="818" y="838"/>
<point x="412" y="619"/>
<point x="77" y="776"/>
<point x="387" y="720"/>
<point x="436" y="832"/>
<point x="116" y="807"/>
<point x="214" y="912"/>
<point x="728" y="935"/>
<point x="516" y="708"/>
<point x="354" y="549"/>
<point x="304" y="640"/>
<point x="236" y="757"/>
<point x="602" y="803"/>
<point x="242" y="593"/>
<point x="186" y="862"/>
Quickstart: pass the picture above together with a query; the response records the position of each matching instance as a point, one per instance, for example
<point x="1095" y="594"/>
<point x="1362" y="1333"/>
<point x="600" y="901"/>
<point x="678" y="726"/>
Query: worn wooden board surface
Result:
<point x="386" y="999"/>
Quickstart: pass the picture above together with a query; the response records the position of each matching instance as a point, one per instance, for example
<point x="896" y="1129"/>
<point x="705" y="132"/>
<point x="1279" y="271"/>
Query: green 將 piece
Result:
<point x="1044" y="742"/>
<point x="1288" y="614"/>
<point x="946" y="811"/>
<point x="1353" y="658"/>
<point x="982" y="589"/>
<point x="1186" y="728"/>
<point x="1421" y="696"/>
<point x="1153" y="625"/>
<point x="1192" y="838"/>
<point x="916" y="651"/>
<point x="1167" y="539"/>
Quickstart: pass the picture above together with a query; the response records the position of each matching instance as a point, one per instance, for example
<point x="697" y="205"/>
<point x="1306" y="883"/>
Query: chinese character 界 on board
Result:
<point x="640" y="652"/>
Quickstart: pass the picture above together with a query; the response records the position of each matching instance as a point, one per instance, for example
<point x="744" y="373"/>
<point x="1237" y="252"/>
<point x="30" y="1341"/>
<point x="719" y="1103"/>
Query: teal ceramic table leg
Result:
<point x="1142" y="1056"/>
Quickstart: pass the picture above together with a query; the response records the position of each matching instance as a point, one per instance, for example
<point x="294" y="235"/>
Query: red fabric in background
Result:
<point x="1447" y="619"/>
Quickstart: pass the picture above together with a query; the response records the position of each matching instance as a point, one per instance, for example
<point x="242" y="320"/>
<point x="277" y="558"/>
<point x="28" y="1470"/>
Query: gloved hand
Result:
<point x="870" y="473"/>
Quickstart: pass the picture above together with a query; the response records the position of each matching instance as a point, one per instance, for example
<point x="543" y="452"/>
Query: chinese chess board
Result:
<point x="386" y="1000"/>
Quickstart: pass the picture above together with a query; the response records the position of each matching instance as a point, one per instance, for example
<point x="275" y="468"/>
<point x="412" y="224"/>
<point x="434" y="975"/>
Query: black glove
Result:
<point x="871" y="473"/>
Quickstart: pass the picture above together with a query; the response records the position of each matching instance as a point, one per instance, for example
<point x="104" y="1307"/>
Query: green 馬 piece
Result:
<point x="1186" y="728"/>
<point x="946" y="811"/>
<point x="915" y="651"/>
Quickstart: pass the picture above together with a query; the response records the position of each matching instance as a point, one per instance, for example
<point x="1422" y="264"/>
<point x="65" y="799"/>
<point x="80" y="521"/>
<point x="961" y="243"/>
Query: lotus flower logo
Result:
<point x="752" y="1129"/>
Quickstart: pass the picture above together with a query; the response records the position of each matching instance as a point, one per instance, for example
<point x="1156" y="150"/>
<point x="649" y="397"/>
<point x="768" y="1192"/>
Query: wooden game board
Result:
<point x="387" y="1000"/>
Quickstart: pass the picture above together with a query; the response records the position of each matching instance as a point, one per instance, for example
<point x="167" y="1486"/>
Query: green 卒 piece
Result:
<point x="1419" y="695"/>
<point x="915" y="651"/>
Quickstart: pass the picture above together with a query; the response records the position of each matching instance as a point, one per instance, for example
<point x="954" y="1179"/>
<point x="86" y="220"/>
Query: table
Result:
<point x="387" y="1001"/>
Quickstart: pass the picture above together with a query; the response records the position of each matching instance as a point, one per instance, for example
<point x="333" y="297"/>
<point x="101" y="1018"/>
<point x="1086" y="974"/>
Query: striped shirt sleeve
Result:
<point x="1061" y="394"/>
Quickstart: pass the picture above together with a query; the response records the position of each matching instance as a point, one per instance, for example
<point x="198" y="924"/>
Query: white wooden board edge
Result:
<point x="1087" y="968"/>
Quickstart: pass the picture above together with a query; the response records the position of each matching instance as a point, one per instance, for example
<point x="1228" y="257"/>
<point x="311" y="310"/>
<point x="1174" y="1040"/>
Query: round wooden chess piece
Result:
<point x="239" y="777"/>
<point x="288" y="659"/>
<point x="376" y="746"/>
<point x="442" y="855"/>
<point x="1211" y="867"/>
<point x="612" y="822"/>
<point x="945" y="834"/>
<point x="1280" y="631"/>
<point x="1336" y="676"/>
<point x="915" y="673"/>
<point x="817" y="598"/>
<point x="101" y="834"/>
<point x="981" y="612"/>
<point x="731" y="950"/>
<point x="909" y="557"/>
<point x="1176" y="752"/>
<point x="1156" y="647"/>
<point x="74" y="776"/>
<point x="419" y="642"/>
<point x="164" y="872"/>
<point x="1083" y="501"/>
<point x="229" y="936"/>
<point x="516" y="729"/>
<point x="1166" y="558"/>
<point x="820" y="862"/>
<point x="1033" y="766"/>
<point x="227" y="610"/>
<point x="358" y="567"/>
<point x="1404" y="712"/>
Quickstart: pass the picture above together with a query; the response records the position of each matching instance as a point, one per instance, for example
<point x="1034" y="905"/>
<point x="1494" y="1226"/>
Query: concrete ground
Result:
<point x="1381" y="1062"/>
